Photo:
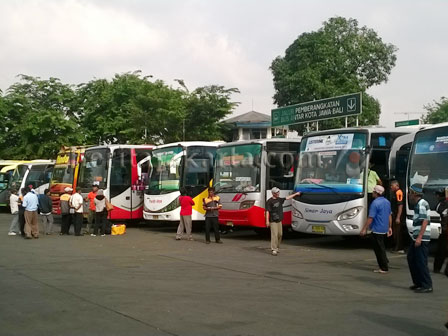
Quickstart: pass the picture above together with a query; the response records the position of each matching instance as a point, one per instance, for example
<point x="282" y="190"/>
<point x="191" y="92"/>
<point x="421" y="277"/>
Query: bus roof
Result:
<point x="120" y="146"/>
<point x="259" y="141"/>
<point x="370" y="129"/>
<point x="189" y="144"/>
<point x="428" y="127"/>
<point x="37" y="163"/>
<point x="11" y="166"/>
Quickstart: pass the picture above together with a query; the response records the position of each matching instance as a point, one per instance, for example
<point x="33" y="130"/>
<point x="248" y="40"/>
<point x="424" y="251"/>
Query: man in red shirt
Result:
<point x="91" y="199"/>
<point x="186" y="209"/>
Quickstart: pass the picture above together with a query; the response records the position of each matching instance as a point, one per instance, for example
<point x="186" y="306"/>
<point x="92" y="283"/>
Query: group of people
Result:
<point x="211" y="206"/>
<point x="386" y="220"/>
<point x="29" y="206"/>
<point x="26" y="210"/>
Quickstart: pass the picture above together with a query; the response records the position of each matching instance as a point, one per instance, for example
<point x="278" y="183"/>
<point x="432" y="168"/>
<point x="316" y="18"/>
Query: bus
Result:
<point x="245" y="173"/>
<point x="173" y="166"/>
<point x="428" y="163"/>
<point x="65" y="173"/>
<point x="36" y="173"/>
<point x="332" y="177"/>
<point x="114" y="169"/>
<point x="7" y="168"/>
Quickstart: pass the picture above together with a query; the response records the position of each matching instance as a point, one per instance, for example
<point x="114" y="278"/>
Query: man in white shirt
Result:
<point x="76" y="202"/>
<point x="14" y="205"/>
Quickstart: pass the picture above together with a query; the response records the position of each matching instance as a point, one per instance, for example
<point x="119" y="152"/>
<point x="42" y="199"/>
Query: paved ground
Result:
<point x="146" y="283"/>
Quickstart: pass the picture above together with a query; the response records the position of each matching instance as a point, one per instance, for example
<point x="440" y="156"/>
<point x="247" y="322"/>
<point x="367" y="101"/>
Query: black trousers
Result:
<point x="22" y="220"/>
<point x="418" y="264"/>
<point x="379" y="247"/>
<point x="66" y="223"/>
<point x="212" y="221"/>
<point x="441" y="254"/>
<point x="100" y="219"/>
<point x="77" y="220"/>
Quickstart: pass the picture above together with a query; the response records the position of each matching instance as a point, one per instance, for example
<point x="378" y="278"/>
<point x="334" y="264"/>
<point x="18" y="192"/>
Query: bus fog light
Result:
<point x="350" y="227"/>
<point x="296" y="213"/>
<point x="246" y="205"/>
<point x="349" y="214"/>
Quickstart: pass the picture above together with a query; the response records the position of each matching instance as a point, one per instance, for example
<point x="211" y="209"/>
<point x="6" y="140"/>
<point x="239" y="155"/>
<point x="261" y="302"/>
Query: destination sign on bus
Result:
<point x="329" y="142"/>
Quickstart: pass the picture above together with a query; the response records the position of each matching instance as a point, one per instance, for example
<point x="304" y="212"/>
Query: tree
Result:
<point x="339" y="58"/>
<point x="37" y="119"/>
<point x="437" y="112"/>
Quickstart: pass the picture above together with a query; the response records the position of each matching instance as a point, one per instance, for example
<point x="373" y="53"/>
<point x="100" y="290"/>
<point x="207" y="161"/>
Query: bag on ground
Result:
<point x="118" y="229"/>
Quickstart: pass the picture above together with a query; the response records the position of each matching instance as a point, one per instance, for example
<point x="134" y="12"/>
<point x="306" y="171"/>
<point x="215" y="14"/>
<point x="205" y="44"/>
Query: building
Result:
<point x="252" y="125"/>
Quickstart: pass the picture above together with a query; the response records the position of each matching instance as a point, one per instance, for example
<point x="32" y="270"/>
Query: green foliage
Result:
<point x="38" y="116"/>
<point x="437" y="112"/>
<point x="37" y="119"/>
<point x="339" y="58"/>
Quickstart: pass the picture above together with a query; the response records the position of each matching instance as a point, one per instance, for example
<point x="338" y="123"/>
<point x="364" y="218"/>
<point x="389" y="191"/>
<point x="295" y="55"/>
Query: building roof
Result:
<point x="249" y="118"/>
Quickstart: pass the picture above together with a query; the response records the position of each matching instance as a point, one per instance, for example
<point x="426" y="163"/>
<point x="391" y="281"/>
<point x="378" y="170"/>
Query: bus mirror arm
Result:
<point x="368" y="149"/>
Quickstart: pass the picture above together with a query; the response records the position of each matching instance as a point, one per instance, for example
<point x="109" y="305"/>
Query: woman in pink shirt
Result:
<point x="186" y="204"/>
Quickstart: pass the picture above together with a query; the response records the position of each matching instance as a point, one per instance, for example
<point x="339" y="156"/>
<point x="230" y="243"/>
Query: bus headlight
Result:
<point x="246" y="205"/>
<point x="349" y="214"/>
<point x="296" y="213"/>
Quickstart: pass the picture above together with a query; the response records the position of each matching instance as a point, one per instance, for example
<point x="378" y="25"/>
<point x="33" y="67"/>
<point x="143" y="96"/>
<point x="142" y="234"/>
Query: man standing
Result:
<point x="92" y="212"/>
<point x="380" y="222"/>
<point x="45" y="208"/>
<point x="421" y="235"/>
<point x="396" y="198"/>
<point x="211" y="206"/>
<point x="76" y="202"/>
<point x="442" y="242"/>
<point x="66" y="217"/>
<point x="274" y="217"/>
<point x="31" y="204"/>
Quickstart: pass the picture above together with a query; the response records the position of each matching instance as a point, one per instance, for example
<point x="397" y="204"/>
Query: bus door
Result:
<point x="120" y="184"/>
<point x="140" y="177"/>
<point x="282" y="158"/>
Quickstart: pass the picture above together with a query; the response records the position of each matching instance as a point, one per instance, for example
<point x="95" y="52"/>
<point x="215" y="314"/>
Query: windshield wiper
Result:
<point x="324" y="186"/>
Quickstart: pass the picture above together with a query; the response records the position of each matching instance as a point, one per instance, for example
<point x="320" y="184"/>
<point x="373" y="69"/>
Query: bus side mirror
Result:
<point x="368" y="149"/>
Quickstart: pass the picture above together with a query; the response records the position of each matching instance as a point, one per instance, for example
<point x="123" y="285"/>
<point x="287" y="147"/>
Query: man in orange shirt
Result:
<point x="398" y="220"/>
<point x="91" y="199"/>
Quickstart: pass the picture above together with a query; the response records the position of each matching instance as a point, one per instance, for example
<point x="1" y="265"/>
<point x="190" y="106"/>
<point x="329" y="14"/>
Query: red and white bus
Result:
<point x="114" y="168"/>
<point x="245" y="173"/>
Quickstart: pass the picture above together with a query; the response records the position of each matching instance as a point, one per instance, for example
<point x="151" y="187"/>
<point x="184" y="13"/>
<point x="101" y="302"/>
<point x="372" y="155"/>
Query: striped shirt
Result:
<point x="421" y="213"/>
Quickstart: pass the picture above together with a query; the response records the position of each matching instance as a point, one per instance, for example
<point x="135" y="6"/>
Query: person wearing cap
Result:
<point x="77" y="202"/>
<point x="442" y="242"/>
<point x="380" y="223"/>
<point x="419" y="248"/>
<point x="100" y="213"/>
<point x="92" y="212"/>
<point x="211" y="205"/>
<point x="398" y="220"/>
<point x="64" y="205"/>
<point x="274" y="217"/>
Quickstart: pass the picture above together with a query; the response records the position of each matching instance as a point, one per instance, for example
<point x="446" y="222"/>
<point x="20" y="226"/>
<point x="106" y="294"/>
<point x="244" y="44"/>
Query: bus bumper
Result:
<point x="334" y="227"/>
<point x="252" y="217"/>
<point x="162" y="216"/>
<point x="436" y="229"/>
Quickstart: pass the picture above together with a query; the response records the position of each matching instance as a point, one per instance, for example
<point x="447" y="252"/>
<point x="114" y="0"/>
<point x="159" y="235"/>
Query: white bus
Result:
<point x="428" y="164"/>
<point x="332" y="177"/>
<point x="36" y="173"/>
<point x="7" y="168"/>
<point x="245" y="173"/>
<point x="173" y="166"/>
<point x="114" y="169"/>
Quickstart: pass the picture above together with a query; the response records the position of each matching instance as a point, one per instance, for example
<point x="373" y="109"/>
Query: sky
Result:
<point x="224" y="42"/>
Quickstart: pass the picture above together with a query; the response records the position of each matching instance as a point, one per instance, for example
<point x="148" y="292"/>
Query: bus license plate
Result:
<point x="229" y="223"/>
<point x="155" y="217"/>
<point x="318" y="229"/>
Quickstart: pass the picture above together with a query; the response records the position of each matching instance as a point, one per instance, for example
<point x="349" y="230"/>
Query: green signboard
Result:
<point x="407" y="122"/>
<point x="317" y="110"/>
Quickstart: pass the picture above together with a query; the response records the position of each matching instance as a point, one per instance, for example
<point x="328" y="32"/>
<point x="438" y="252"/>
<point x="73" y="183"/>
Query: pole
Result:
<point x="346" y="122"/>
<point x="357" y="121"/>
<point x="317" y="125"/>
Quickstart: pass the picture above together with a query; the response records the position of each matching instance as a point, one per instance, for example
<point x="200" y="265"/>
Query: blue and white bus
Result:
<point x="332" y="177"/>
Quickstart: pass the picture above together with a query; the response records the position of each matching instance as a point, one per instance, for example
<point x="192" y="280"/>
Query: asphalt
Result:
<point x="147" y="283"/>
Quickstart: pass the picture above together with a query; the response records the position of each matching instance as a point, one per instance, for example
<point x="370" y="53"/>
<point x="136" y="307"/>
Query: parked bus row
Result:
<point x="329" y="168"/>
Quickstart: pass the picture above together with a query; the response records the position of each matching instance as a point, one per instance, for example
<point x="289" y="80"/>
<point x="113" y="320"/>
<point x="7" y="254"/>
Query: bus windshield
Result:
<point x="4" y="179"/>
<point x="332" y="163"/>
<point x="94" y="169"/>
<point x="238" y="168"/>
<point x="62" y="174"/>
<point x="165" y="170"/>
<point x="17" y="176"/>
<point x="428" y="162"/>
